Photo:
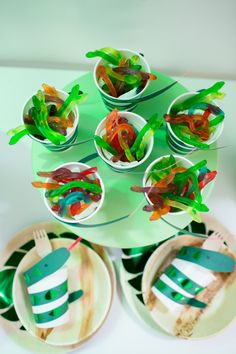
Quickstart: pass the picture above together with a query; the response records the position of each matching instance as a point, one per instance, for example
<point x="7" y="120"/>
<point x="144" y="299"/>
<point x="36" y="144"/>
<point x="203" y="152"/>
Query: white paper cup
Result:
<point x="180" y="161"/>
<point x="91" y="210"/>
<point x="50" y="283"/>
<point x="71" y="132"/>
<point x="138" y="123"/>
<point x="194" y="272"/>
<point x="175" y="143"/>
<point x="116" y="102"/>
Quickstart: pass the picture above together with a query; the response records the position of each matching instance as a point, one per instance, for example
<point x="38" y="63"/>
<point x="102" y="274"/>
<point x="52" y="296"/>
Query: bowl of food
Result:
<point x="194" y="121"/>
<point x="51" y="118"/>
<point x="73" y="192"/>
<point x="124" y="140"/>
<point x="172" y="184"/>
<point x="121" y="76"/>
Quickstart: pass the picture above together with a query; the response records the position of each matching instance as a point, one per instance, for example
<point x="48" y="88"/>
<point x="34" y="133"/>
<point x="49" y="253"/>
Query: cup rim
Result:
<point x="115" y="165"/>
<point x="209" y="141"/>
<point x="73" y="221"/>
<point x="116" y="99"/>
<point x="68" y="136"/>
<point x="179" y="157"/>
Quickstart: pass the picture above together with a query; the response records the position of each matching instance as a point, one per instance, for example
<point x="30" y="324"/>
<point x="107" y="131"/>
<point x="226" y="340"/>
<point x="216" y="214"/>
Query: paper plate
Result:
<point x="190" y="322"/>
<point x="134" y="298"/>
<point x="87" y="271"/>
<point x="121" y="221"/>
<point x="11" y="256"/>
<point x="134" y="303"/>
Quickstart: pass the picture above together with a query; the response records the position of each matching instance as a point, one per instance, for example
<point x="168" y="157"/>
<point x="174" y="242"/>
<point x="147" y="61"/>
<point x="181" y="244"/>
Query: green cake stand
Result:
<point x="121" y="222"/>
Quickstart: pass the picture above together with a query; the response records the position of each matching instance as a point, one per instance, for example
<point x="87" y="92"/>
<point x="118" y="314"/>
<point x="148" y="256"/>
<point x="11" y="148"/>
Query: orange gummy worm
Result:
<point x="47" y="185"/>
<point x="50" y="90"/>
<point x="101" y="72"/>
<point x="158" y="213"/>
<point x="167" y="180"/>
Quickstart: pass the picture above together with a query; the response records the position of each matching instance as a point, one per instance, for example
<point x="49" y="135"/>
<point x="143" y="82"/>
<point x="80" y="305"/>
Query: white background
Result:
<point x="181" y="37"/>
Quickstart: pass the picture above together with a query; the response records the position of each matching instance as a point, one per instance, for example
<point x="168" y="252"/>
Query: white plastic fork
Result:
<point x="42" y="243"/>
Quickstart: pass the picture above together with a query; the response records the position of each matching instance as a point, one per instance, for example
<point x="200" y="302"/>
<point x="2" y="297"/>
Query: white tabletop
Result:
<point x="21" y="205"/>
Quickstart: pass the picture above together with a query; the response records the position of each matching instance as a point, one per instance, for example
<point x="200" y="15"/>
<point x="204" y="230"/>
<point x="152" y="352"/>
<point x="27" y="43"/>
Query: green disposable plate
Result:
<point x="215" y="318"/>
<point x="86" y="271"/>
<point x="120" y="222"/>
<point x="11" y="256"/>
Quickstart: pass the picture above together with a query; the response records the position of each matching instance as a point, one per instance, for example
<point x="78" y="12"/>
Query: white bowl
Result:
<point x="91" y="210"/>
<point x="178" y="141"/>
<point x="147" y="181"/>
<point x="116" y="101"/>
<point x="70" y="131"/>
<point x="138" y="122"/>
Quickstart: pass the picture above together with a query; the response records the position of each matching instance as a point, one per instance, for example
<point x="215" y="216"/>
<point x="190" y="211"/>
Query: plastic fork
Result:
<point x="42" y="243"/>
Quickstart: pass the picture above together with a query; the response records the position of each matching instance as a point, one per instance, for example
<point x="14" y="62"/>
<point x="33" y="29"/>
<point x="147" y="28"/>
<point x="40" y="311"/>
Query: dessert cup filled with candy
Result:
<point x="124" y="140"/>
<point x="194" y="121"/>
<point x="121" y="76"/>
<point x="172" y="184"/>
<point x="51" y="118"/>
<point x="73" y="192"/>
